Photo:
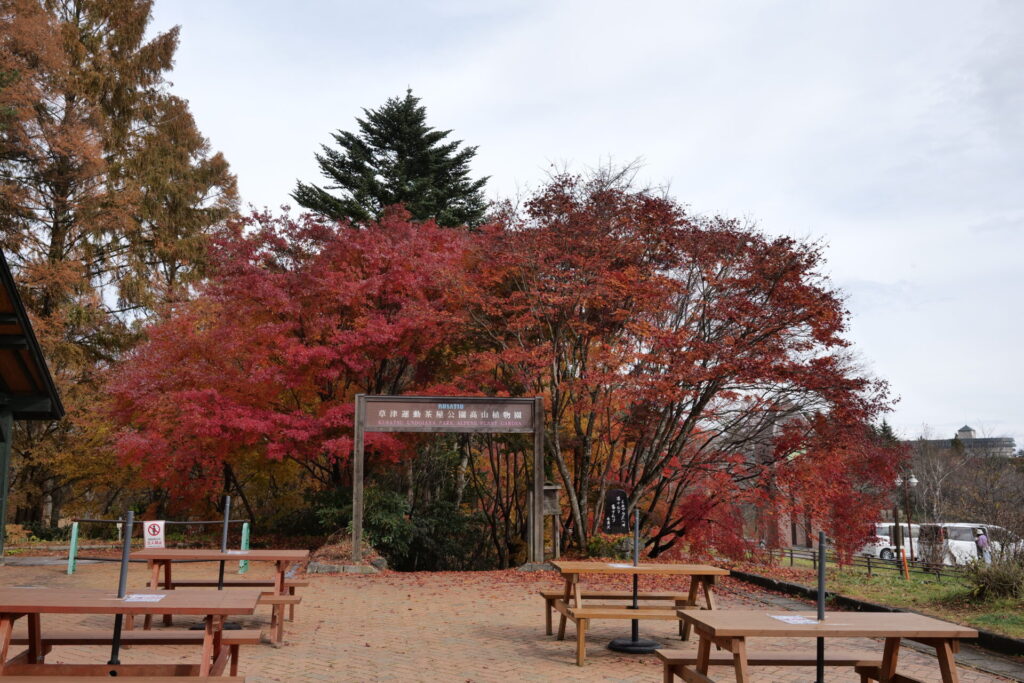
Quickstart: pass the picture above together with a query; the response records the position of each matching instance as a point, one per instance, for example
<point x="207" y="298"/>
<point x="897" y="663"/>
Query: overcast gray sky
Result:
<point x="891" y="131"/>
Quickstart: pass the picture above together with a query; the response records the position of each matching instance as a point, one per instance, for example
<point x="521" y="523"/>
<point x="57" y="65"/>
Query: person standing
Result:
<point x="981" y="541"/>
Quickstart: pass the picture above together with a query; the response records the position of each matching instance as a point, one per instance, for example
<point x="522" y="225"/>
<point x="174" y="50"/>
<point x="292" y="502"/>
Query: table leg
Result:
<point x="279" y="631"/>
<point x="168" y="585"/>
<point x="890" y="657"/>
<point x="709" y="593"/>
<point x="691" y="600"/>
<point x="279" y="580"/>
<point x="154" y="583"/>
<point x="739" y="660"/>
<point x="218" y="636"/>
<point x="581" y="640"/>
<point x="6" y="627"/>
<point x="566" y="594"/>
<point x="703" y="652"/>
<point x="35" y="640"/>
<point x="947" y="663"/>
<point x="208" y="647"/>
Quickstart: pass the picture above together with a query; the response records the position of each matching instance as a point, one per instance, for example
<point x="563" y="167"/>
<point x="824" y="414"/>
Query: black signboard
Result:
<point x="616" y="512"/>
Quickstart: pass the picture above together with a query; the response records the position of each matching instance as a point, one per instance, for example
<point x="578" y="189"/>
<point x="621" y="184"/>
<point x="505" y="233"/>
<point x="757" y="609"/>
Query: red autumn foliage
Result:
<point x="697" y="362"/>
<point x="297" y="317"/>
<point x="673" y="353"/>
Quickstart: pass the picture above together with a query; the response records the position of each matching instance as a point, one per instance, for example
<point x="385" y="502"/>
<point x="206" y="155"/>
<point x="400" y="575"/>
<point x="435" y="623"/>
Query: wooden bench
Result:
<point x="232" y="639"/>
<point x="679" y="600"/>
<point x="871" y="671"/>
<point x="678" y="662"/>
<point x="278" y="603"/>
<point x="581" y="616"/>
<point x="290" y="584"/>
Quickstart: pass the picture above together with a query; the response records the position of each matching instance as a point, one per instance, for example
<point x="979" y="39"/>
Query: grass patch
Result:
<point x="1009" y="620"/>
<point x="948" y="597"/>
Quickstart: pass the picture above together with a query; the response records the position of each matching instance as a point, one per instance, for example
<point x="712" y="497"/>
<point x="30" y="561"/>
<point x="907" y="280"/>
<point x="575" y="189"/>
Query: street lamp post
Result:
<point x="906" y="484"/>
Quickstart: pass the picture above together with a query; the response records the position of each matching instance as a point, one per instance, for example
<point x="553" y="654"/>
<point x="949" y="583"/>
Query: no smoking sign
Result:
<point x="154" y="534"/>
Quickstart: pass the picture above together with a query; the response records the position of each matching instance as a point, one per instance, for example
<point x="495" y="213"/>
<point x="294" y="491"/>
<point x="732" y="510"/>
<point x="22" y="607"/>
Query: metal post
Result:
<point x="6" y="433"/>
<point x="73" y="548"/>
<point x="357" y="479"/>
<point x="821" y="605"/>
<point x="636" y="563"/>
<point x="224" y="541"/>
<point x="910" y="532"/>
<point x="122" y="585"/>
<point x="243" y="565"/>
<point x="634" y="644"/>
<point x="537" y="512"/>
<point x="897" y="529"/>
<point x="530" y="529"/>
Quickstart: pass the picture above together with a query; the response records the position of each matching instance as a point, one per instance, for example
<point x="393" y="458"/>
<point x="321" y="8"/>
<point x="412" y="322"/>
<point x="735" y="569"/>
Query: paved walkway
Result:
<point x="460" y="627"/>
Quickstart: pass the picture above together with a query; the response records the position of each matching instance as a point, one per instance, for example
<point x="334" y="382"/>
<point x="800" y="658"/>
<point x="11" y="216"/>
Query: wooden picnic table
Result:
<point x="162" y="558"/>
<point x="34" y="602"/>
<point x="730" y="629"/>
<point x="571" y="604"/>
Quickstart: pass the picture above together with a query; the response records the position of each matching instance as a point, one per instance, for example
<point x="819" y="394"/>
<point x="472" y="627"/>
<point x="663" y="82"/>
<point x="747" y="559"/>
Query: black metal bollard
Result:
<point x="224" y="541"/>
<point x="122" y="585"/>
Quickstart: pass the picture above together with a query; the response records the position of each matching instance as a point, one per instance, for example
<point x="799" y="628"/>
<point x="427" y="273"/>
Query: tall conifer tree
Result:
<point x="396" y="158"/>
<point x="107" y="194"/>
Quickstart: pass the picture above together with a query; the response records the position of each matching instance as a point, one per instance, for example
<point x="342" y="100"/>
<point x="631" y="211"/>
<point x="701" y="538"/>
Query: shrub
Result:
<point x="619" y="547"/>
<point x="387" y="525"/>
<point x="44" y="532"/>
<point x="1004" y="578"/>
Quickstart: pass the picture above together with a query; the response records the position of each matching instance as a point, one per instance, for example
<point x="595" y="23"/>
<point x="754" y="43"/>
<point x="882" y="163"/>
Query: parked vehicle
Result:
<point x="953" y="542"/>
<point x="881" y="542"/>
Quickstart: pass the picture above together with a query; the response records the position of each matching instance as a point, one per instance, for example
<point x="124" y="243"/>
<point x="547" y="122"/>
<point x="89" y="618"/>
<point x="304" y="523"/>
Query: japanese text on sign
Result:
<point x="616" y="512"/>
<point x="154" y="534"/>
<point x="463" y="415"/>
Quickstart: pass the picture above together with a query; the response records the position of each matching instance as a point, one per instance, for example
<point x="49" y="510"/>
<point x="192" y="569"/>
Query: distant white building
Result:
<point x="966" y="438"/>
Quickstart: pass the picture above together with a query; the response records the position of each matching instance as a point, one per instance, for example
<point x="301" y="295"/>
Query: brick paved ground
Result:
<point x="429" y="627"/>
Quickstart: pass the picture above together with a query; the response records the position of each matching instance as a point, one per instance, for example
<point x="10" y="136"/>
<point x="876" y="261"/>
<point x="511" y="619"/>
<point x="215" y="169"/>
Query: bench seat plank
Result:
<point x="169" y="637"/>
<point x="623" y="612"/>
<point x="235" y="583"/>
<point x="151" y="679"/>
<point x="275" y="599"/>
<point x="780" y="658"/>
<point x="872" y="672"/>
<point x="615" y="595"/>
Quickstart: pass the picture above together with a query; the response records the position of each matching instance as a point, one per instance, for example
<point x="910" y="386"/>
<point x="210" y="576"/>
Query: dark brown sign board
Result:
<point x="616" y="512"/>
<point x="460" y="415"/>
<point x="451" y="414"/>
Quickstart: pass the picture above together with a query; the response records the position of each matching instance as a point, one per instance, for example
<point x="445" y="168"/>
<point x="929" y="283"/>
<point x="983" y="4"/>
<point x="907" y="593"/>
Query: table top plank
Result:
<point x="743" y="623"/>
<point x="567" y="567"/>
<point x="81" y="601"/>
<point x="217" y="554"/>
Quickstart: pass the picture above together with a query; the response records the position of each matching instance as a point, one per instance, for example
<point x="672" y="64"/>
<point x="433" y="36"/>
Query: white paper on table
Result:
<point x="620" y="565"/>
<point x="794" y="618"/>
<point x="143" y="597"/>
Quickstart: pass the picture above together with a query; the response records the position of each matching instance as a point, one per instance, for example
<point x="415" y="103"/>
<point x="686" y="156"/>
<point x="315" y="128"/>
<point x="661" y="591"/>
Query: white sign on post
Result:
<point x="154" y="534"/>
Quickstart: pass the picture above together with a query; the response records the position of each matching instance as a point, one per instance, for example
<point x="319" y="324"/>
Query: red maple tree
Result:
<point x="296" y="318"/>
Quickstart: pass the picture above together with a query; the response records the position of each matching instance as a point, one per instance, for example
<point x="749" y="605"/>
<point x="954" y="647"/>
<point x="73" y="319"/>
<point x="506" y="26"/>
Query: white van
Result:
<point x="881" y="541"/>
<point x="953" y="542"/>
